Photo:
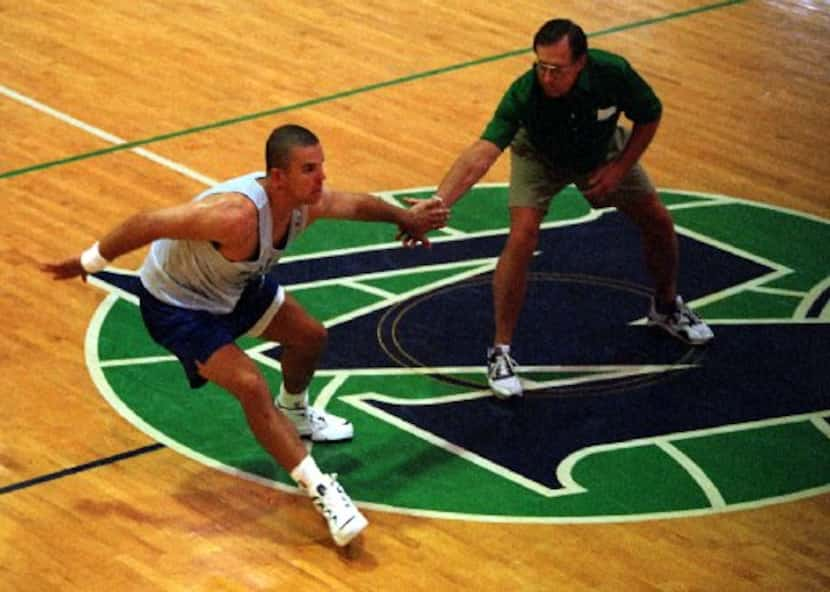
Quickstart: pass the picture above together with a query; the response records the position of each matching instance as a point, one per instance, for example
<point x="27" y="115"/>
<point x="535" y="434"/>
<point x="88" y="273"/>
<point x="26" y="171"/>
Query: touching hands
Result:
<point x="423" y="215"/>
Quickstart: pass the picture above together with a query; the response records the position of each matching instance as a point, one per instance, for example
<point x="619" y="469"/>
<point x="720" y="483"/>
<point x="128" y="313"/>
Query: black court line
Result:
<point x="354" y="91"/>
<point x="80" y="468"/>
<point x="818" y="305"/>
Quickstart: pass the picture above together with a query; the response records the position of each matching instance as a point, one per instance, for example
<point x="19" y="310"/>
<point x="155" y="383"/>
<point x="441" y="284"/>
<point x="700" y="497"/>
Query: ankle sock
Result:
<point x="307" y="474"/>
<point x="665" y="308"/>
<point x="291" y="401"/>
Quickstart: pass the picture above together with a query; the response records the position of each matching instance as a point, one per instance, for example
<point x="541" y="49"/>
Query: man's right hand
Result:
<point x="424" y="215"/>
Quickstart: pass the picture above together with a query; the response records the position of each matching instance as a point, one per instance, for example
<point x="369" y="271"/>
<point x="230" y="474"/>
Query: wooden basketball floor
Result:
<point x="395" y="90"/>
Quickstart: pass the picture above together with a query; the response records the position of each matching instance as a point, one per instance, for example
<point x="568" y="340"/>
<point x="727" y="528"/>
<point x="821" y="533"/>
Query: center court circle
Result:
<point x="568" y="320"/>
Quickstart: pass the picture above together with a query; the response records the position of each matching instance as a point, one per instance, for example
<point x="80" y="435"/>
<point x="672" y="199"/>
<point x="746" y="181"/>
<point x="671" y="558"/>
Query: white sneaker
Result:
<point x="501" y="374"/>
<point x="344" y="519"/>
<point x="683" y="323"/>
<point x="318" y="425"/>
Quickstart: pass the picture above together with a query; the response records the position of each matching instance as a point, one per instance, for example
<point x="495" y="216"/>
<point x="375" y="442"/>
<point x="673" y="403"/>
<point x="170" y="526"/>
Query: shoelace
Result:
<point x="316" y="417"/>
<point x="324" y="508"/>
<point x="333" y="496"/>
<point x="502" y="365"/>
<point x="685" y="316"/>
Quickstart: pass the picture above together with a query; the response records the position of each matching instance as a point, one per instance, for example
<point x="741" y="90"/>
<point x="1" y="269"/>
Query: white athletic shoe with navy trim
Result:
<point x="501" y="374"/>
<point x="683" y="323"/>
<point x="318" y="425"/>
<point x="344" y="520"/>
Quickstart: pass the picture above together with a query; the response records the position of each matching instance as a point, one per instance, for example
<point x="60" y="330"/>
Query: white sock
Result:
<point x="290" y="401"/>
<point x="307" y="474"/>
<point x="504" y="347"/>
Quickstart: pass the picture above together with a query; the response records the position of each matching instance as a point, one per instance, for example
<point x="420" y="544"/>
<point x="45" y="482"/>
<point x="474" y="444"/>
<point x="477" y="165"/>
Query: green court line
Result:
<point x="349" y="93"/>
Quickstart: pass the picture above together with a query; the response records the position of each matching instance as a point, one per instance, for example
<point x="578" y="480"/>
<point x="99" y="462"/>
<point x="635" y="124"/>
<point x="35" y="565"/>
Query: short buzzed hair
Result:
<point x="554" y="30"/>
<point x="282" y="140"/>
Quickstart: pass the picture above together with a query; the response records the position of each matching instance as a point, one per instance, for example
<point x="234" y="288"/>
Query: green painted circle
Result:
<point x="395" y="467"/>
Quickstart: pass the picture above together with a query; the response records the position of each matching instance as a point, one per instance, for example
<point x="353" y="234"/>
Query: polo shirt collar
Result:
<point x="583" y="81"/>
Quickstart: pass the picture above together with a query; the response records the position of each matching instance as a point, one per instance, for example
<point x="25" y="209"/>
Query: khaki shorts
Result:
<point x="535" y="182"/>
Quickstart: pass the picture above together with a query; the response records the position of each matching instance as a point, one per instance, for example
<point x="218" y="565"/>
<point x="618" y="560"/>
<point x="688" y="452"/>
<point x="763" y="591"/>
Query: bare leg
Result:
<point x="510" y="277"/>
<point x="234" y="371"/>
<point x="303" y="341"/>
<point x="659" y="242"/>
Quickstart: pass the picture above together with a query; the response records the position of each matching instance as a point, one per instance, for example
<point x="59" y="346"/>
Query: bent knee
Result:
<point x="649" y="213"/>
<point x="522" y="242"/>
<point x="524" y="230"/>
<point x="250" y="387"/>
<point x="311" y="337"/>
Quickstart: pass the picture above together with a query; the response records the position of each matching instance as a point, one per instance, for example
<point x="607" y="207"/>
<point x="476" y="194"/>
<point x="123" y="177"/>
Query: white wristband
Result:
<point x="92" y="261"/>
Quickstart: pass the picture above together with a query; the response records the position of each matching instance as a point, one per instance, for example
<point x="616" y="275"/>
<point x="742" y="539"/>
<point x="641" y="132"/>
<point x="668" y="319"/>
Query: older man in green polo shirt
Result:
<point x="560" y="119"/>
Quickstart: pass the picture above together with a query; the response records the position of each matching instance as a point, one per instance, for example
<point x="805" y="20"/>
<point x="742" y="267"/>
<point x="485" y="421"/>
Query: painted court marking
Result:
<point x="95" y="364"/>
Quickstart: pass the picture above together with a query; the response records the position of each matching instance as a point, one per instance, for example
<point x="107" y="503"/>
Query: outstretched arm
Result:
<point x="470" y="166"/>
<point x="415" y="222"/>
<point x="225" y="219"/>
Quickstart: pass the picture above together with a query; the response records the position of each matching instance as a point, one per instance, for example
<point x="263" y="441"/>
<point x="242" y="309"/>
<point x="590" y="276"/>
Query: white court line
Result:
<point x="106" y="136"/>
<point x="821" y="425"/>
<point x="778" y="291"/>
<point x="710" y="490"/>
<point x="814" y="293"/>
<point x="369" y="289"/>
<point x="136" y="361"/>
<point x="451" y="448"/>
<point x="112" y="289"/>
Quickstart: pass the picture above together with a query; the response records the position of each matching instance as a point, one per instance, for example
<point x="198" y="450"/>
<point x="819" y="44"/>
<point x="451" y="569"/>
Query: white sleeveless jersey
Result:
<point x="195" y="275"/>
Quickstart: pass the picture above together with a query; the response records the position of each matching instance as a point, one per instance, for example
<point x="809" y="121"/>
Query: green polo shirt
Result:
<point x="573" y="131"/>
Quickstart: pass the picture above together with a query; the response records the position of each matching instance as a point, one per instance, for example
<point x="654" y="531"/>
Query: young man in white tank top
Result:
<point x="204" y="284"/>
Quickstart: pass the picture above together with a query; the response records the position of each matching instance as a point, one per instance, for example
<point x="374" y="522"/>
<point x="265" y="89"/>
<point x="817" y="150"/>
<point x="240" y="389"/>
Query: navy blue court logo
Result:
<point x="620" y="421"/>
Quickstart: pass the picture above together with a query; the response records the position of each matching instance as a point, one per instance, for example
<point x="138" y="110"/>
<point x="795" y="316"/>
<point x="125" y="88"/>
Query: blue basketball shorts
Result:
<point x="194" y="335"/>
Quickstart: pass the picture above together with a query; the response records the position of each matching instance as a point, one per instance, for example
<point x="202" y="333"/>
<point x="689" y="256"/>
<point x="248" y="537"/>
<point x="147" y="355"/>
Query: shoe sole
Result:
<point x="313" y="439"/>
<point x="308" y="434"/>
<point x="678" y="335"/>
<point x="503" y="395"/>
<point x="343" y="539"/>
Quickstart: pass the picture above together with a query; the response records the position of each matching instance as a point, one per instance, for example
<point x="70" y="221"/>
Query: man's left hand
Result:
<point x="604" y="181"/>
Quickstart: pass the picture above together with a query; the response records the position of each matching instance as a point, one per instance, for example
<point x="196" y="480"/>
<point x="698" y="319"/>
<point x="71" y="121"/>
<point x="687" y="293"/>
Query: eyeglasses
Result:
<point x="553" y="70"/>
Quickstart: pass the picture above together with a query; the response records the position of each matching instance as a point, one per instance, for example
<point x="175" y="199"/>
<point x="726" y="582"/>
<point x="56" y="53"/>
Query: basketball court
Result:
<point x="634" y="462"/>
